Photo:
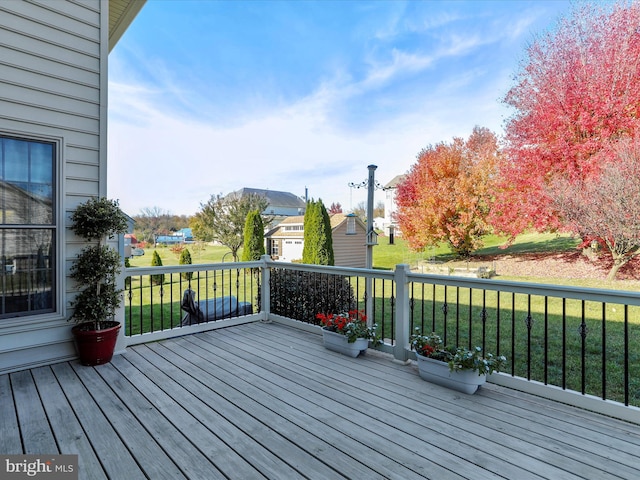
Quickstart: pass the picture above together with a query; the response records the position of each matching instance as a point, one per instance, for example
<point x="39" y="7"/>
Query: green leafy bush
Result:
<point x="302" y="295"/>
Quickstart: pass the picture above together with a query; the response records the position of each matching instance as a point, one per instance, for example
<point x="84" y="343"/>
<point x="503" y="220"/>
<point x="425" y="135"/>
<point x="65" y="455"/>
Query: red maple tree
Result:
<point x="446" y="195"/>
<point x="335" y="208"/>
<point x="576" y="94"/>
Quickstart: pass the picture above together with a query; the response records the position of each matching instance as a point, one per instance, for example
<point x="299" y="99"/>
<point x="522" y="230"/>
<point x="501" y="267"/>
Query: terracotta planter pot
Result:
<point x="438" y="372"/>
<point x="338" y="343"/>
<point x="95" y="347"/>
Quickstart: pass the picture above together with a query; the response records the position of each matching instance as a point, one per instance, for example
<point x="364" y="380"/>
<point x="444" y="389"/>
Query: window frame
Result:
<point x="57" y="228"/>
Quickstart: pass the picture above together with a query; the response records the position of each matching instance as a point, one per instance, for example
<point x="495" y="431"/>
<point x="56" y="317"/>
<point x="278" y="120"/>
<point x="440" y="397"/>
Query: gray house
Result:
<point x="281" y="204"/>
<point x="53" y="139"/>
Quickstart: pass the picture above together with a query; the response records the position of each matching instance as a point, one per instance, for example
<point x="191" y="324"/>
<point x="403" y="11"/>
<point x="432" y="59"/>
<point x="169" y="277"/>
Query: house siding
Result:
<point x="53" y="82"/>
<point x="349" y="250"/>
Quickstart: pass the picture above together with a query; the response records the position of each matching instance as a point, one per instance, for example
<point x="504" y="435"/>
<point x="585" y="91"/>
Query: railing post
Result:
<point x="403" y="312"/>
<point x="265" y="290"/>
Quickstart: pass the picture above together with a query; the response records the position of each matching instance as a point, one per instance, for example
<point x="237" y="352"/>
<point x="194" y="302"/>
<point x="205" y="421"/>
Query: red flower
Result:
<point x="427" y="350"/>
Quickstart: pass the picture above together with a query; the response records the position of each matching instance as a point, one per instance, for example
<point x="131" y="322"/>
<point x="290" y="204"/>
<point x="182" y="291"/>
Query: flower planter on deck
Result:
<point x="435" y="371"/>
<point x="339" y="343"/>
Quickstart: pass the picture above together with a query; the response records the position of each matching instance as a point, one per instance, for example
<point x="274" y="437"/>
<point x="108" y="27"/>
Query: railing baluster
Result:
<point x="564" y="343"/>
<point x="626" y="355"/>
<point x="470" y="336"/>
<point x="529" y="323"/>
<point x="445" y="311"/>
<point x="546" y="341"/>
<point x="604" y="350"/>
<point x="457" y="315"/>
<point x="513" y="333"/>
<point x="583" y="349"/>
<point x="433" y="308"/>
<point x="498" y="333"/>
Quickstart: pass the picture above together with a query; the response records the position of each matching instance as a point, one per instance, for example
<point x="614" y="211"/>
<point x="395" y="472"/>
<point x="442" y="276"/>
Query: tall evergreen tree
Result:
<point x="318" y="242"/>
<point x="185" y="259"/>
<point x="253" y="247"/>
<point x="156" y="261"/>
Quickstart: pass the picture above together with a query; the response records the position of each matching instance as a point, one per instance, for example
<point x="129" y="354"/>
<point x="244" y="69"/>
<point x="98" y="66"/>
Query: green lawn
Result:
<point x="200" y="253"/>
<point x="387" y="256"/>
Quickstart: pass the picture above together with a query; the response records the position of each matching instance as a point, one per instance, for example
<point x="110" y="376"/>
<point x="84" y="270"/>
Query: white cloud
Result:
<point x="176" y="163"/>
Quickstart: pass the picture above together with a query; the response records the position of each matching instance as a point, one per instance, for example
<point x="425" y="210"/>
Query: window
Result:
<point x="274" y="248"/>
<point x="27" y="226"/>
<point x="351" y="224"/>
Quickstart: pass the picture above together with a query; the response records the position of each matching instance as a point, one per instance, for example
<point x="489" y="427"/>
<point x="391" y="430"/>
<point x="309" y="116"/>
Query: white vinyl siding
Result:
<point x="53" y="82"/>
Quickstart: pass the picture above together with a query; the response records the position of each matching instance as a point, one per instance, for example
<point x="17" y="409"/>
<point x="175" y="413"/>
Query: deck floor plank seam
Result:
<point x="306" y="387"/>
<point x="32" y="418"/>
<point x="220" y="440"/>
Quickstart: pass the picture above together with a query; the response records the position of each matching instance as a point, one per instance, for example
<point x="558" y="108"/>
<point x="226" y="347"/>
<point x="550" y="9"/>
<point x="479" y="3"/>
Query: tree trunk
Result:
<point x="617" y="263"/>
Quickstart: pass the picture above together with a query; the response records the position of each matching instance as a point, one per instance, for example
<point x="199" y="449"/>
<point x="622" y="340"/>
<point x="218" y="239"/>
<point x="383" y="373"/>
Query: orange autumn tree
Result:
<point x="447" y="194"/>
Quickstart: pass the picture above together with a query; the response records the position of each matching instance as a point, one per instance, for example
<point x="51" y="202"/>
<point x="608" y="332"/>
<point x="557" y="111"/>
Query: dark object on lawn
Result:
<point x="212" y="309"/>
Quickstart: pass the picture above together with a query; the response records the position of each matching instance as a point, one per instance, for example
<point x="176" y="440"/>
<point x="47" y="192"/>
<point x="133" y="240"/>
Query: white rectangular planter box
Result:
<point x="338" y="343"/>
<point x="435" y="371"/>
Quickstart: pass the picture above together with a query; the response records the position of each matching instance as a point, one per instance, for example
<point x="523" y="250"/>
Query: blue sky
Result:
<point x="206" y="97"/>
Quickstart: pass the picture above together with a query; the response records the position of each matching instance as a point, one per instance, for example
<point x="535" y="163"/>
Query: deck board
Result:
<point x="10" y="442"/>
<point x="268" y="401"/>
<point x="37" y="436"/>
<point x="65" y="425"/>
<point x="116" y="460"/>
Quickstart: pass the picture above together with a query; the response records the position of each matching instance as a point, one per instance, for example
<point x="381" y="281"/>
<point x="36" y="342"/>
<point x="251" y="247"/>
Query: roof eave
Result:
<point x="121" y="14"/>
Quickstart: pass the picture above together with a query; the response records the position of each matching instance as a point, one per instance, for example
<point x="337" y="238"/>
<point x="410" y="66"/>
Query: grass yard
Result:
<point x="387" y="256"/>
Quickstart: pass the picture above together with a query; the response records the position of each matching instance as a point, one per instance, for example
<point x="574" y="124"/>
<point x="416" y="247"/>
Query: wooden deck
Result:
<point x="268" y="401"/>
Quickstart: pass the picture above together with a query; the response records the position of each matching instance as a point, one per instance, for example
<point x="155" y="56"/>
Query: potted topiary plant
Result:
<point x="95" y="270"/>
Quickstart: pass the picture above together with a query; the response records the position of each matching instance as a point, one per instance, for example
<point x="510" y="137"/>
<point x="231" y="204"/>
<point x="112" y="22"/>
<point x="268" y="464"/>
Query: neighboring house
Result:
<point x="53" y="138"/>
<point x="183" y="235"/>
<point x="169" y="239"/>
<point x="391" y="207"/>
<point x="281" y="204"/>
<point x="286" y="241"/>
<point x="130" y="239"/>
<point x="186" y="233"/>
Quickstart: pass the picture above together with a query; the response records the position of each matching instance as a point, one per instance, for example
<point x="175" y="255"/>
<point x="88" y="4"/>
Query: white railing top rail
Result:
<point x="333" y="270"/>
<point x="548" y="290"/>
<point x="559" y="291"/>
<point x="196" y="267"/>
